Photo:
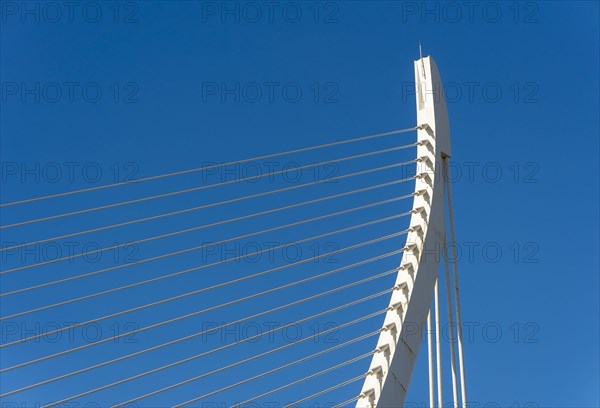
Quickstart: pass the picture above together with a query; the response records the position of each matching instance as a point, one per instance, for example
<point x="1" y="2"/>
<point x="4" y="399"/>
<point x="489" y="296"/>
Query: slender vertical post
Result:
<point x="430" y="361"/>
<point x="450" y="328"/>
<point x="461" y="363"/>
<point x="438" y="345"/>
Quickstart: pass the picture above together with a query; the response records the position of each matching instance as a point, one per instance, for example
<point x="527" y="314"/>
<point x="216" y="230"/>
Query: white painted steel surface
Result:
<point x="391" y="368"/>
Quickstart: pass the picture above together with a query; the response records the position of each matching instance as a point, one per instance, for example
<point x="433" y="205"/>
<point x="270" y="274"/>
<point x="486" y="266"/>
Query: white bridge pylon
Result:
<point x="391" y="368"/>
<point x="175" y="288"/>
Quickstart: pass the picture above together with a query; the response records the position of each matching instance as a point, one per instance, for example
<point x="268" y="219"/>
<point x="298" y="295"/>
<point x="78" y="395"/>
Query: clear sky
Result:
<point x="100" y="92"/>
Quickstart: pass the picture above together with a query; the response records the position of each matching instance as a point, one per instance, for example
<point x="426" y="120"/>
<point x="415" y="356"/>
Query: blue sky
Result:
<point x="106" y="92"/>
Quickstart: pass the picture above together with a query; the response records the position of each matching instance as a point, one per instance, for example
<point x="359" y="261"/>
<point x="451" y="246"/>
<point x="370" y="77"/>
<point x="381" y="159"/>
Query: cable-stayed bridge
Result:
<point x="302" y="278"/>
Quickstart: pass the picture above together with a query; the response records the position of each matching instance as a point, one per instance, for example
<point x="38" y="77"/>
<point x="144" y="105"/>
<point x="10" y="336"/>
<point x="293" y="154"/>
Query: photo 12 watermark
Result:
<point x="70" y="92"/>
<point x="269" y="171"/>
<point x="477" y="251"/>
<point x="69" y="12"/>
<point x="515" y="332"/>
<point x="270" y="12"/>
<point x="526" y="172"/>
<point x="269" y="331"/>
<point x="478" y="92"/>
<point x="471" y="12"/>
<point x="71" y="404"/>
<point x="70" y="332"/>
<point x="269" y="252"/>
<point x="270" y="92"/>
<point x="67" y="172"/>
<point x="68" y="251"/>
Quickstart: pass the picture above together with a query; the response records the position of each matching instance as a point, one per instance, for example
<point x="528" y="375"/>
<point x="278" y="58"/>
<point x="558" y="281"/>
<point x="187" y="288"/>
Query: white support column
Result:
<point x="461" y="363"/>
<point x="438" y="345"/>
<point x="430" y="362"/>
<point x="391" y="369"/>
<point x="450" y="328"/>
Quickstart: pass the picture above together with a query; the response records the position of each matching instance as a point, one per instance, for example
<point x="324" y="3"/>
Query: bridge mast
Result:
<point x="405" y="322"/>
